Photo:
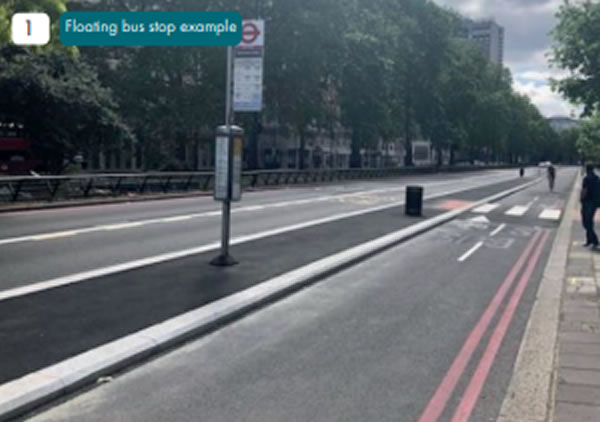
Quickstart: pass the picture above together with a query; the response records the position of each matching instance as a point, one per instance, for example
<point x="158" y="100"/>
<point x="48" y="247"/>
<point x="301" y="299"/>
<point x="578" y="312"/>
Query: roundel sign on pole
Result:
<point x="252" y="34"/>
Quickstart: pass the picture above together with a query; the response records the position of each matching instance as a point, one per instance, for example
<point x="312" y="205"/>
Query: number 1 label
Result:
<point x="22" y="28"/>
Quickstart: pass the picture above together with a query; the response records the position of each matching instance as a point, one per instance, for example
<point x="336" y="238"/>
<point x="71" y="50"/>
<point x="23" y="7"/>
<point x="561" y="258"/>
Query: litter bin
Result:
<point x="414" y="200"/>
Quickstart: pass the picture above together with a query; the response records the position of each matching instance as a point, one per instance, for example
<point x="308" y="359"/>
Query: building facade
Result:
<point x="488" y="36"/>
<point x="561" y="123"/>
<point x="277" y="149"/>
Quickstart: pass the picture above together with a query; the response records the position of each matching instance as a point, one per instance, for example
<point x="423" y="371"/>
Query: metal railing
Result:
<point x="102" y="185"/>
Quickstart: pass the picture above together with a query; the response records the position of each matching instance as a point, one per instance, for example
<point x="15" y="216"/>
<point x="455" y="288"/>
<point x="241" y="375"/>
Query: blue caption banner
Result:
<point x="150" y="28"/>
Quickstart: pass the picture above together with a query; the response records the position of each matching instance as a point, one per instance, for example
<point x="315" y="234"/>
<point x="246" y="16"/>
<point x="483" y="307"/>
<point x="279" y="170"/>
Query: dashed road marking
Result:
<point x="520" y="210"/>
<point x="54" y="235"/>
<point x="517" y="211"/>
<point x="498" y="230"/>
<point x="480" y="220"/>
<point x="470" y="252"/>
<point x="550" y="214"/>
<point x="484" y="209"/>
<point x="177" y="218"/>
<point x="123" y="225"/>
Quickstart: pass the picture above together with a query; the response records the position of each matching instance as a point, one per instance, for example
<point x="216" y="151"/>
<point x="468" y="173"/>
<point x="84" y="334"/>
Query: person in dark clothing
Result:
<point x="521" y="171"/>
<point x="590" y="191"/>
<point x="551" y="177"/>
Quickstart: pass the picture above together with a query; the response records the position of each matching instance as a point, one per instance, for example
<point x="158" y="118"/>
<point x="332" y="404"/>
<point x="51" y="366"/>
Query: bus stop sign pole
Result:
<point x="228" y="169"/>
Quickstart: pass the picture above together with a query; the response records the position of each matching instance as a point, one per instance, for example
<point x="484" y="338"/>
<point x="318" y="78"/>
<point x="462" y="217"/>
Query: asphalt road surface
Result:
<point x="426" y="331"/>
<point x="41" y="245"/>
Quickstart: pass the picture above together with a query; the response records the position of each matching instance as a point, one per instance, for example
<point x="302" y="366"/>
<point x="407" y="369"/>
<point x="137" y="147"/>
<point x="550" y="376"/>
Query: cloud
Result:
<point x="548" y="102"/>
<point x="527" y="24"/>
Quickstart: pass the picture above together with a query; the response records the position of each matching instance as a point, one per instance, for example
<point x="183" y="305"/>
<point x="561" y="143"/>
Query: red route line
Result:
<point x="471" y="395"/>
<point x="438" y="401"/>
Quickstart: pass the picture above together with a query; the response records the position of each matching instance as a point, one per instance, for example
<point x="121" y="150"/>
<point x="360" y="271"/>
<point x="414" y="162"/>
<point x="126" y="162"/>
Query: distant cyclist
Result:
<point x="551" y="177"/>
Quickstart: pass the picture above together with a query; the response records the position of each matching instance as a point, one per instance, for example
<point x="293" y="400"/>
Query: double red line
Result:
<point x="438" y="401"/>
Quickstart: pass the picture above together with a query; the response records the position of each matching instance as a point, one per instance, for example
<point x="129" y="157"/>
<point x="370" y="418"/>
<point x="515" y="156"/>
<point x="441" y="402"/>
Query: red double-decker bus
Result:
<point x="15" y="150"/>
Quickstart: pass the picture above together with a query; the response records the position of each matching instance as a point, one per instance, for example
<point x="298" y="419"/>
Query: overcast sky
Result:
<point x="527" y="24"/>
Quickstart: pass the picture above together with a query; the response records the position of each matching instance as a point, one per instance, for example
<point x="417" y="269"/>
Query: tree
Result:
<point x="60" y="102"/>
<point x="588" y="142"/>
<point x="386" y="70"/>
<point x="577" y="50"/>
<point x="370" y="95"/>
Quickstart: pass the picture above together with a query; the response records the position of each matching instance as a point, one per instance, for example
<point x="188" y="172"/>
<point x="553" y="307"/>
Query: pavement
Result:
<point x="427" y="330"/>
<point x="578" y="360"/>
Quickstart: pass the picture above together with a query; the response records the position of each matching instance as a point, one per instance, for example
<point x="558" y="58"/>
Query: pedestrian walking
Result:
<point x="590" y="199"/>
<point x="551" y="177"/>
<point x="521" y="171"/>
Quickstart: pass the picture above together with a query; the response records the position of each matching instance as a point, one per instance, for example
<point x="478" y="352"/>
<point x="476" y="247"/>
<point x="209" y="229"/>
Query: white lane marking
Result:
<point x="498" y="230"/>
<point x="16" y="239"/>
<point x="520" y="210"/>
<point x="249" y="208"/>
<point x="517" y="211"/>
<point x="122" y="226"/>
<point x="54" y="235"/>
<point x="111" y="269"/>
<point x="481" y="219"/>
<point x="484" y="209"/>
<point x="473" y="182"/>
<point x="177" y="218"/>
<point x="550" y="214"/>
<point x="216" y="213"/>
<point x="470" y="252"/>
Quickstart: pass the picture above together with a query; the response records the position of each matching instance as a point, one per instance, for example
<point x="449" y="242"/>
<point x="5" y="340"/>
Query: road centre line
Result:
<point x="470" y="252"/>
<point x="473" y="391"/>
<point x="436" y="405"/>
<point x="498" y="230"/>
<point x="140" y="223"/>
<point x="138" y="263"/>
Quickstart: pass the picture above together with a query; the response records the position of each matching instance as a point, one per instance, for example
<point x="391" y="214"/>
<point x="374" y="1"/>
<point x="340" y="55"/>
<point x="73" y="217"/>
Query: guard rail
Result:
<point x="96" y="185"/>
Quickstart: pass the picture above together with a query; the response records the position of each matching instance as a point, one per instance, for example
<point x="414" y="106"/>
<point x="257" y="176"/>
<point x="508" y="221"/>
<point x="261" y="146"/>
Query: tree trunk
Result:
<point x="302" y="147"/>
<point x="355" y="159"/>
<point x="253" y="147"/>
<point x="408" y="156"/>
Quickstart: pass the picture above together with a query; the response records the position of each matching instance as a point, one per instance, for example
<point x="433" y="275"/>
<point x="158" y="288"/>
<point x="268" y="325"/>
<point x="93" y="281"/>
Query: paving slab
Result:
<point x="579" y="361"/>
<point x="567" y="412"/>
<point x="578" y="394"/>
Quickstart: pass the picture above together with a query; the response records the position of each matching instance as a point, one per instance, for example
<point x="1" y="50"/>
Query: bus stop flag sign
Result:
<point x="248" y="67"/>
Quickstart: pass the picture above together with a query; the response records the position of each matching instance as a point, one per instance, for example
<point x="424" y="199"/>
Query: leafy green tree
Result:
<point x="60" y="102"/>
<point x="567" y="146"/>
<point x="577" y="50"/>
<point x="386" y="70"/>
<point x="588" y="142"/>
